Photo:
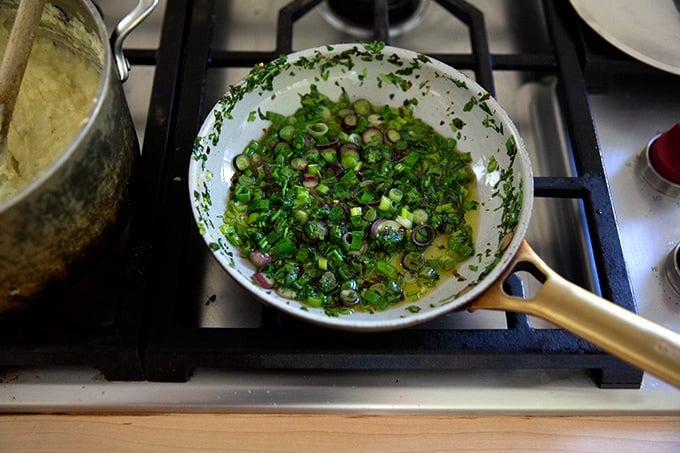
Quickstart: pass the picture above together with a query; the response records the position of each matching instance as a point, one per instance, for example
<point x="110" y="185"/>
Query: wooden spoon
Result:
<point x="14" y="65"/>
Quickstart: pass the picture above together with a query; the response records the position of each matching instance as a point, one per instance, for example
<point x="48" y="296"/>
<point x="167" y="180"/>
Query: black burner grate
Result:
<point x="174" y="348"/>
<point x="86" y="323"/>
<point x="127" y="317"/>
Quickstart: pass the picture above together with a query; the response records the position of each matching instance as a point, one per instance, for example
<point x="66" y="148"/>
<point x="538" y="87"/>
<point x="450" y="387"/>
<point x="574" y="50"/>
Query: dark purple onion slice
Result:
<point x="331" y="144"/>
<point x="393" y="136"/>
<point x="348" y="147"/>
<point x="372" y="135"/>
<point x="259" y="258"/>
<point x="423" y="235"/>
<point x="335" y="169"/>
<point x="263" y="280"/>
<point x="349" y="297"/>
<point x="310" y="180"/>
<point x="350" y="121"/>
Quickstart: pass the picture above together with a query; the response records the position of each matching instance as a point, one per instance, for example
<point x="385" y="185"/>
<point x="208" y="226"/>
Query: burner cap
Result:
<point x="356" y="17"/>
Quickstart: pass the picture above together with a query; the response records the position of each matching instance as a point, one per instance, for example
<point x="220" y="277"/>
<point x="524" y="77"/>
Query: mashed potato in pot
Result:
<point x="56" y="96"/>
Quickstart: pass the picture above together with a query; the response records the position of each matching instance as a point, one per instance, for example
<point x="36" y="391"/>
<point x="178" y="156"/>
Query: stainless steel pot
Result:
<point x="73" y="208"/>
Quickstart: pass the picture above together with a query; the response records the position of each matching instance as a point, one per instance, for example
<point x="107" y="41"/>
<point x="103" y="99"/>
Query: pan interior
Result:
<point x="440" y="95"/>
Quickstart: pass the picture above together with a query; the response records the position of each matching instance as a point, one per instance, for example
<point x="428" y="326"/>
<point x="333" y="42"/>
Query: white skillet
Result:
<point x="440" y="95"/>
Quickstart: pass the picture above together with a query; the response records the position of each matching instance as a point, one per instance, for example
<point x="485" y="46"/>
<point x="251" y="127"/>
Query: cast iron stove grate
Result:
<point x="172" y="252"/>
<point x="82" y="323"/>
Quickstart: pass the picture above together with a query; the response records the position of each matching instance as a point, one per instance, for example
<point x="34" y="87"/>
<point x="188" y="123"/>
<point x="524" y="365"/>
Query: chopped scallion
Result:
<point x="343" y="199"/>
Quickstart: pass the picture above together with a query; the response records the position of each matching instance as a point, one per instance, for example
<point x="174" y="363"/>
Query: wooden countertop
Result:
<point x="319" y="433"/>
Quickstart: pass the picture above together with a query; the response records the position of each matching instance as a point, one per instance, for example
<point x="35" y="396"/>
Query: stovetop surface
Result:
<point x="214" y="310"/>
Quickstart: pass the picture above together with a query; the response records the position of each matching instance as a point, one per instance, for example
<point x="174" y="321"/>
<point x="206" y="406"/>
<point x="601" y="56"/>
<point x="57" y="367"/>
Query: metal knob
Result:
<point x="660" y="162"/>
<point x="672" y="268"/>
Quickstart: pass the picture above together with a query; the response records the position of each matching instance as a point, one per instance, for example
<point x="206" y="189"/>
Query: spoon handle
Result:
<point x="15" y="60"/>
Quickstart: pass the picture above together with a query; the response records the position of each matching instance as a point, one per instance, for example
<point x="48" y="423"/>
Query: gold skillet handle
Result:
<point x="636" y="340"/>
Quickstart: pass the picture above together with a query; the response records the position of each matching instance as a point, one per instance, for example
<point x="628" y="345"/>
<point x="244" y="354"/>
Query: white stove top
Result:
<point x="626" y="117"/>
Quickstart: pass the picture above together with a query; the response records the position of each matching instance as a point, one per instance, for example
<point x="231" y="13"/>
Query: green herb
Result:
<point x="337" y="203"/>
<point x="492" y="165"/>
<point x="402" y="83"/>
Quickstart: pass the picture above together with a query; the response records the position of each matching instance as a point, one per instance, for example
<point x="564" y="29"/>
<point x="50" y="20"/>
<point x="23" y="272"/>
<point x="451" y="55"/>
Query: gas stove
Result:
<point x="158" y="325"/>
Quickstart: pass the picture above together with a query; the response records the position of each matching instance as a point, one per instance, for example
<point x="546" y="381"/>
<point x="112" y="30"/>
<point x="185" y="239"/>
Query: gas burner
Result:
<point x="660" y="162"/>
<point x="356" y="17"/>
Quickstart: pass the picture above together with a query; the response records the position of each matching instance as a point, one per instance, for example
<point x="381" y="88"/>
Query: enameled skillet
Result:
<point x="456" y="107"/>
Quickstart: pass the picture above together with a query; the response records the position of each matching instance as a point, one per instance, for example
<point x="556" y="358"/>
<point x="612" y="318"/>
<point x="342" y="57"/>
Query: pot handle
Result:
<point x="630" y="337"/>
<point x="123" y="28"/>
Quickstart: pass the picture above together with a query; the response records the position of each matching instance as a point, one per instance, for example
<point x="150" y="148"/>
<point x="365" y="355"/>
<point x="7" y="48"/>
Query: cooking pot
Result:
<point x="50" y="227"/>
<point x="456" y="107"/>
